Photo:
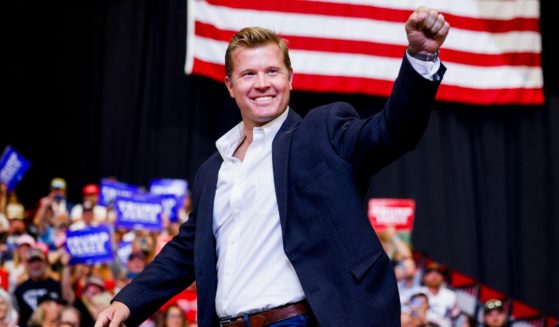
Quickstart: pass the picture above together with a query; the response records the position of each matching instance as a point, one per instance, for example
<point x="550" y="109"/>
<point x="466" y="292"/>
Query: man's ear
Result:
<point x="229" y="85"/>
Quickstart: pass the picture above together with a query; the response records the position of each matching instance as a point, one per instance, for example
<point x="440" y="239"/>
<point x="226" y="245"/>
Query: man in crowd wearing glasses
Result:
<point x="494" y="314"/>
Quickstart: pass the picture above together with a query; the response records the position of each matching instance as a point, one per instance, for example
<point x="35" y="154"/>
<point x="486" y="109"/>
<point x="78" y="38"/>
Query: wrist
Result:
<point x="423" y="55"/>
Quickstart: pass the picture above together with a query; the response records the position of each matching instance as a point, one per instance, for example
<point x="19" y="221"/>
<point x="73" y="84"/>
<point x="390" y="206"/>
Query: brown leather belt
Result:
<point x="264" y="318"/>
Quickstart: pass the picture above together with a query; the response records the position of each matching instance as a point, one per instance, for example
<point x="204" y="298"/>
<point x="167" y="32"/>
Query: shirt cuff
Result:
<point x="427" y="69"/>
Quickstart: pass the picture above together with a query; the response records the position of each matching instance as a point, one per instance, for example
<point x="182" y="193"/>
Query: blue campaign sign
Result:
<point x="177" y="187"/>
<point x="91" y="245"/>
<point x="111" y="189"/>
<point x="173" y="192"/>
<point x="12" y="167"/>
<point x="141" y="211"/>
<point x="123" y="250"/>
<point x="170" y="204"/>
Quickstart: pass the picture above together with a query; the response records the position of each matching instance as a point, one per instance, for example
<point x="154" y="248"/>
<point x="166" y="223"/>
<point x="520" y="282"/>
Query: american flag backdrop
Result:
<point x="356" y="46"/>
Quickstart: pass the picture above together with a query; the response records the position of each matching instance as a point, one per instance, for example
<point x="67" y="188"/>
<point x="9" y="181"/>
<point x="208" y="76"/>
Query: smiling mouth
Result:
<point x="263" y="98"/>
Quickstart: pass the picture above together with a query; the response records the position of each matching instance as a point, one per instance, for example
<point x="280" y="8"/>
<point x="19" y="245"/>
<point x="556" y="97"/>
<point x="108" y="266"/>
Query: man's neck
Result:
<point x="434" y="289"/>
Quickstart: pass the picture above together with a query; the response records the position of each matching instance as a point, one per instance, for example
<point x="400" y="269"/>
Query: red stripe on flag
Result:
<point x="381" y="49"/>
<point x="208" y="69"/>
<point x="211" y="32"/>
<point x="379" y="13"/>
<point x="343" y="84"/>
<point x="521" y="96"/>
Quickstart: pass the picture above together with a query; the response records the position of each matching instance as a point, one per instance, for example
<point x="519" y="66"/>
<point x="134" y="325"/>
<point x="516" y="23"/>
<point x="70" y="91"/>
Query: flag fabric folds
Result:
<point x="493" y="51"/>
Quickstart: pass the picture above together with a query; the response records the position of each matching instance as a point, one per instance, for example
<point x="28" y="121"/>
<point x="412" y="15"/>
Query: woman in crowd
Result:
<point x="16" y="267"/>
<point x="8" y="315"/>
<point x="47" y="312"/>
<point x="69" y="317"/>
<point x="173" y="317"/>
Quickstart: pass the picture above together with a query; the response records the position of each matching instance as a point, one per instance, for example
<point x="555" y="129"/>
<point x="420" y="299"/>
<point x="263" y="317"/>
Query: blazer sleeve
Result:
<point x="375" y="141"/>
<point x="169" y="273"/>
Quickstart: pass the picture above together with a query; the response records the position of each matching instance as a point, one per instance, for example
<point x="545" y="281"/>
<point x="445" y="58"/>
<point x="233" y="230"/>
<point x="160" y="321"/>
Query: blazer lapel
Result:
<point x="280" y="159"/>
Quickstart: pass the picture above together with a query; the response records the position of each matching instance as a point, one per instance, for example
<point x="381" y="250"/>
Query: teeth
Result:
<point x="263" y="99"/>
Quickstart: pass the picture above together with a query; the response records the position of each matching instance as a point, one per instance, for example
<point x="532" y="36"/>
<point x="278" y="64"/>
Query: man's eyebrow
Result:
<point x="248" y="70"/>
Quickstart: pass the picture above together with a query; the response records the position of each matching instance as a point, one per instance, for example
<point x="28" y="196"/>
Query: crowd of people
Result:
<point x="40" y="286"/>
<point x="425" y="297"/>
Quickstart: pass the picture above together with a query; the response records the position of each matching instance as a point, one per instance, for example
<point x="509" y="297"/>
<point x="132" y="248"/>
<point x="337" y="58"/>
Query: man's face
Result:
<point x="494" y="318"/>
<point x="17" y="226"/>
<point x="433" y="278"/>
<point x="91" y="198"/>
<point x="260" y="83"/>
<point x="136" y="265"/>
<point x="36" y="269"/>
<point x="91" y="290"/>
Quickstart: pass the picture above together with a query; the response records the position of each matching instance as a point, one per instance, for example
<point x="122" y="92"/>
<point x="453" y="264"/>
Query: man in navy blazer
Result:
<point x="278" y="235"/>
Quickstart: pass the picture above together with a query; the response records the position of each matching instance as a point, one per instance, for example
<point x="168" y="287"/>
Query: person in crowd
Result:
<point x="16" y="268"/>
<point x="13" y="213"/>
<point x="285" y="236"/>
<point x="4" y="224"/>
<point x="137" y="261"/>
<point x="393" y="245"/>
<point x="89" y="300"/>
<point x="8" y="315"/>
<point x="494" y="314"/>
<point x="37" y="284"/>
<point x="145" y="242"/>
<point x="186" y="208"/>
<point x="52" y="217"/>
<point x="415" y="312"/>
<point x="443" y="302"/>
<point x="49" y="306"/>
<point x="70" y="317"/>
<point x="87" y="218"/>
<point x="173" y="316"/>
<point x="406" y="274"/>
<point x="91" y="201"/>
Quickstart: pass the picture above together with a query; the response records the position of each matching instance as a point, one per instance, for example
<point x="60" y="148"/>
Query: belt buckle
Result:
<point x="226" y="322"/>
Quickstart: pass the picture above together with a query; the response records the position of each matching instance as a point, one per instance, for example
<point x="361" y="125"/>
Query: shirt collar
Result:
<point x="230" y="141"/>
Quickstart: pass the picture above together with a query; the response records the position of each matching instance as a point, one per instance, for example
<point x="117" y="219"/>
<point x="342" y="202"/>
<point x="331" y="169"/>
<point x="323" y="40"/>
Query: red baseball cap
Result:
<point x="91" y="189"/>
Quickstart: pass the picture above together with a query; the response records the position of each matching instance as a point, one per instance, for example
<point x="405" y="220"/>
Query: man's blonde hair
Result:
<point x="252" y="37"/>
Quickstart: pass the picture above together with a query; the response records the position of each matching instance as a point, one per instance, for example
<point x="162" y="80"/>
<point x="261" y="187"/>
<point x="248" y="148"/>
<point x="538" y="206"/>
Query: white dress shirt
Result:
<point x="252" y="269"/>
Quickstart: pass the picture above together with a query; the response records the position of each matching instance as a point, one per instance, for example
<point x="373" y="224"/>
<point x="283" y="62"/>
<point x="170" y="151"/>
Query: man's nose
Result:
<point x="262" y="81"/>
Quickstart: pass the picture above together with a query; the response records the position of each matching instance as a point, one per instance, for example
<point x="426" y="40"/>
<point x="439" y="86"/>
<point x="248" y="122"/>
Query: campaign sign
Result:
<point x="111" y="189"/>
<point x="170" y="206"/>
<point x="124" y="249"/>
<point x="173" y="192"/>
<point x="140" y="212"/>
<point x="177" y="187"/>
<point x="396" y="213"/>
<point x="89" y="246"/>
<point x="12" y="167"/>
